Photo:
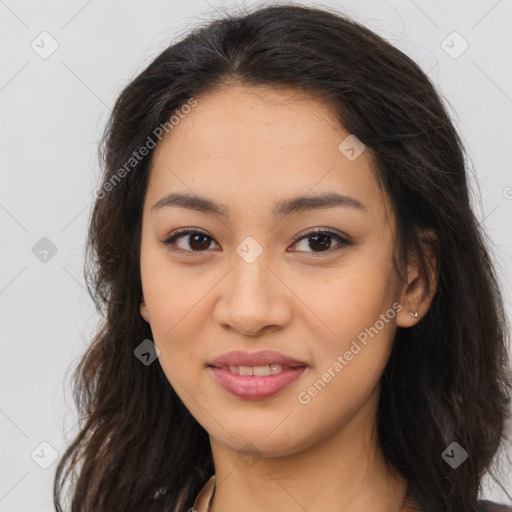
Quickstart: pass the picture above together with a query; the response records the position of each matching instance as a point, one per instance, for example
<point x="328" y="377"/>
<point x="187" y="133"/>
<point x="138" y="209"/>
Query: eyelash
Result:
<point x="181" y="232"/>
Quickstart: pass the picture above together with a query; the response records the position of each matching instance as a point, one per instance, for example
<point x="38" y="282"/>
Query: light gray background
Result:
<point x="53" y="111"/>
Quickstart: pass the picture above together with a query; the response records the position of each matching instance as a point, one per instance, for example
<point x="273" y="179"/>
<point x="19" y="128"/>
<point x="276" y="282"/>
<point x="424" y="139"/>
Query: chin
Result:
<point x="259" y="443"/>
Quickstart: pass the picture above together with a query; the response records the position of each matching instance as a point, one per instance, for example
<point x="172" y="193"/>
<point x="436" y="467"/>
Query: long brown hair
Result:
<point x="447" y="378"/>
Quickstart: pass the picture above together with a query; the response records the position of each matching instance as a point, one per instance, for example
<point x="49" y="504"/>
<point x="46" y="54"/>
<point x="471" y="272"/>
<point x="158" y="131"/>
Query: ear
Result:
<point x="144" y="310"/>
<point x="415" y="298"/>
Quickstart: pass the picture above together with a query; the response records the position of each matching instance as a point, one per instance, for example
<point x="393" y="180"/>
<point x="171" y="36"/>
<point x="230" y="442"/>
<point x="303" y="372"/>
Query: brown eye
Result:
<point x="319" y="241"/>
<point x="193" y="241"/>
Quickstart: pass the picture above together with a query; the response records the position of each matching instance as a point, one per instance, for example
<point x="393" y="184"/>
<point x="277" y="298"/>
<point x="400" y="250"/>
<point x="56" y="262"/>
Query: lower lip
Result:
<point x="256" y="387"/>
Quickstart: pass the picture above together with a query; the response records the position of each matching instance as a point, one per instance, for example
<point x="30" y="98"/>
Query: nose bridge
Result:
<point x="252" y="296"/>
<point x="251" y="275"/>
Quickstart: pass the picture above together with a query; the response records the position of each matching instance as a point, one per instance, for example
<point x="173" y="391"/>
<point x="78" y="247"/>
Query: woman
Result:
<point x="300" y="308"/>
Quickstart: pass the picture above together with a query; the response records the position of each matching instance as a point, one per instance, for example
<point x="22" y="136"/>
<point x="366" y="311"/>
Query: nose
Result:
<point x="253" y="298"/>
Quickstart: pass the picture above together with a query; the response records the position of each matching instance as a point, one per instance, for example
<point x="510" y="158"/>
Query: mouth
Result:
<point x="256" y="382"/>
<point x="259" y="363"/>
<point x="256" y="375"/>
<point x="258" y="371"/>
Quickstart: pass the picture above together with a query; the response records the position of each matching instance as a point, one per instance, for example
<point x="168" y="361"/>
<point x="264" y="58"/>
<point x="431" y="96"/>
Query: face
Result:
<point x="313" y="281"/>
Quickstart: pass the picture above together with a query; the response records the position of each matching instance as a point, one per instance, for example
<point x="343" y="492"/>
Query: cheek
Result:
<point x="360" y="311"/>
<point x="347" y="370"/>
<point x="174" y="305"/>
<point x="351" y="300"/>
<point x="170" y="292"/>
<point x="176" y="318"/>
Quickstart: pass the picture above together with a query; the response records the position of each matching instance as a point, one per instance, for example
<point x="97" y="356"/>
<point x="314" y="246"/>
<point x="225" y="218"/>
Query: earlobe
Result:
<point x="416" y="298"/>
<point x="144" y="311"/>
<point x="413" y="300"/>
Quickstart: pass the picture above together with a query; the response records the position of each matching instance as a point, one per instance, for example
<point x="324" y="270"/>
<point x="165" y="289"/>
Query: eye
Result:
<point x="320" y="240"/>
<point x="195" y="241"/>
<point x="199" y="242"/>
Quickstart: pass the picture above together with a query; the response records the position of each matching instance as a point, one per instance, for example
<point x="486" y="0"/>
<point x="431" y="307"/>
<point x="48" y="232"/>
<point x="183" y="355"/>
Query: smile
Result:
<point x="256" y="382"/>
<point x="268" y="369"/>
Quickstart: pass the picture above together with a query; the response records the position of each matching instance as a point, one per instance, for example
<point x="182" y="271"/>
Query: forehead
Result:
<point x="235" y="121"/>
<point x="252" y="144"/>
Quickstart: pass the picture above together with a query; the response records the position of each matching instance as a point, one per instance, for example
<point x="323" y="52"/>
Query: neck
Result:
<point x="343" y="471"/>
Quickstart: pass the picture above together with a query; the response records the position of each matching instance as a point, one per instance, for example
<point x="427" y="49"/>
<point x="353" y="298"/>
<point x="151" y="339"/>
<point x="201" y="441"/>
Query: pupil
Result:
<point x="200" y="245"/>
<point x="323" y="244"/>
<point x="325" y="238"/>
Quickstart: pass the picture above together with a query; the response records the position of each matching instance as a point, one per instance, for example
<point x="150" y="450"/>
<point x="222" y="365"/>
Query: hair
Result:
<point x="447" y="378"/>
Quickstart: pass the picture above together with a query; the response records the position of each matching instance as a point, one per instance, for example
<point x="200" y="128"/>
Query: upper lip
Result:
<point x="261" y="358"/>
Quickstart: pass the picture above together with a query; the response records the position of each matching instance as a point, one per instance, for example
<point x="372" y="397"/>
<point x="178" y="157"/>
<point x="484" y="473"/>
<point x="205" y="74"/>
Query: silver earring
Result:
<point x="415" y="314"/>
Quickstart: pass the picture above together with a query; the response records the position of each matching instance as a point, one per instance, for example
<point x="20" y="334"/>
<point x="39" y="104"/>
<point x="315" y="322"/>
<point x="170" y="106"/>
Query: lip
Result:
<point x="260" y="358"/>
<point x="255" y="387"/>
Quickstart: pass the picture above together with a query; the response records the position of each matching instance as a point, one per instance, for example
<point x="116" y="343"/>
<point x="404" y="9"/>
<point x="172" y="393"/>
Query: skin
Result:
<point x="249" y="148"/>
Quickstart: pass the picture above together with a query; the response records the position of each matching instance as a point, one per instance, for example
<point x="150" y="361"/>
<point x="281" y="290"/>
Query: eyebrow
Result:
<point x="280" y="209"/>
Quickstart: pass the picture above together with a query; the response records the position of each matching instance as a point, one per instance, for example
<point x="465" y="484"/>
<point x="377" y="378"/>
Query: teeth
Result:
<point x="245" y="370"/>
<point x="269" y="369"/>
<point x="261" y="370"/>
